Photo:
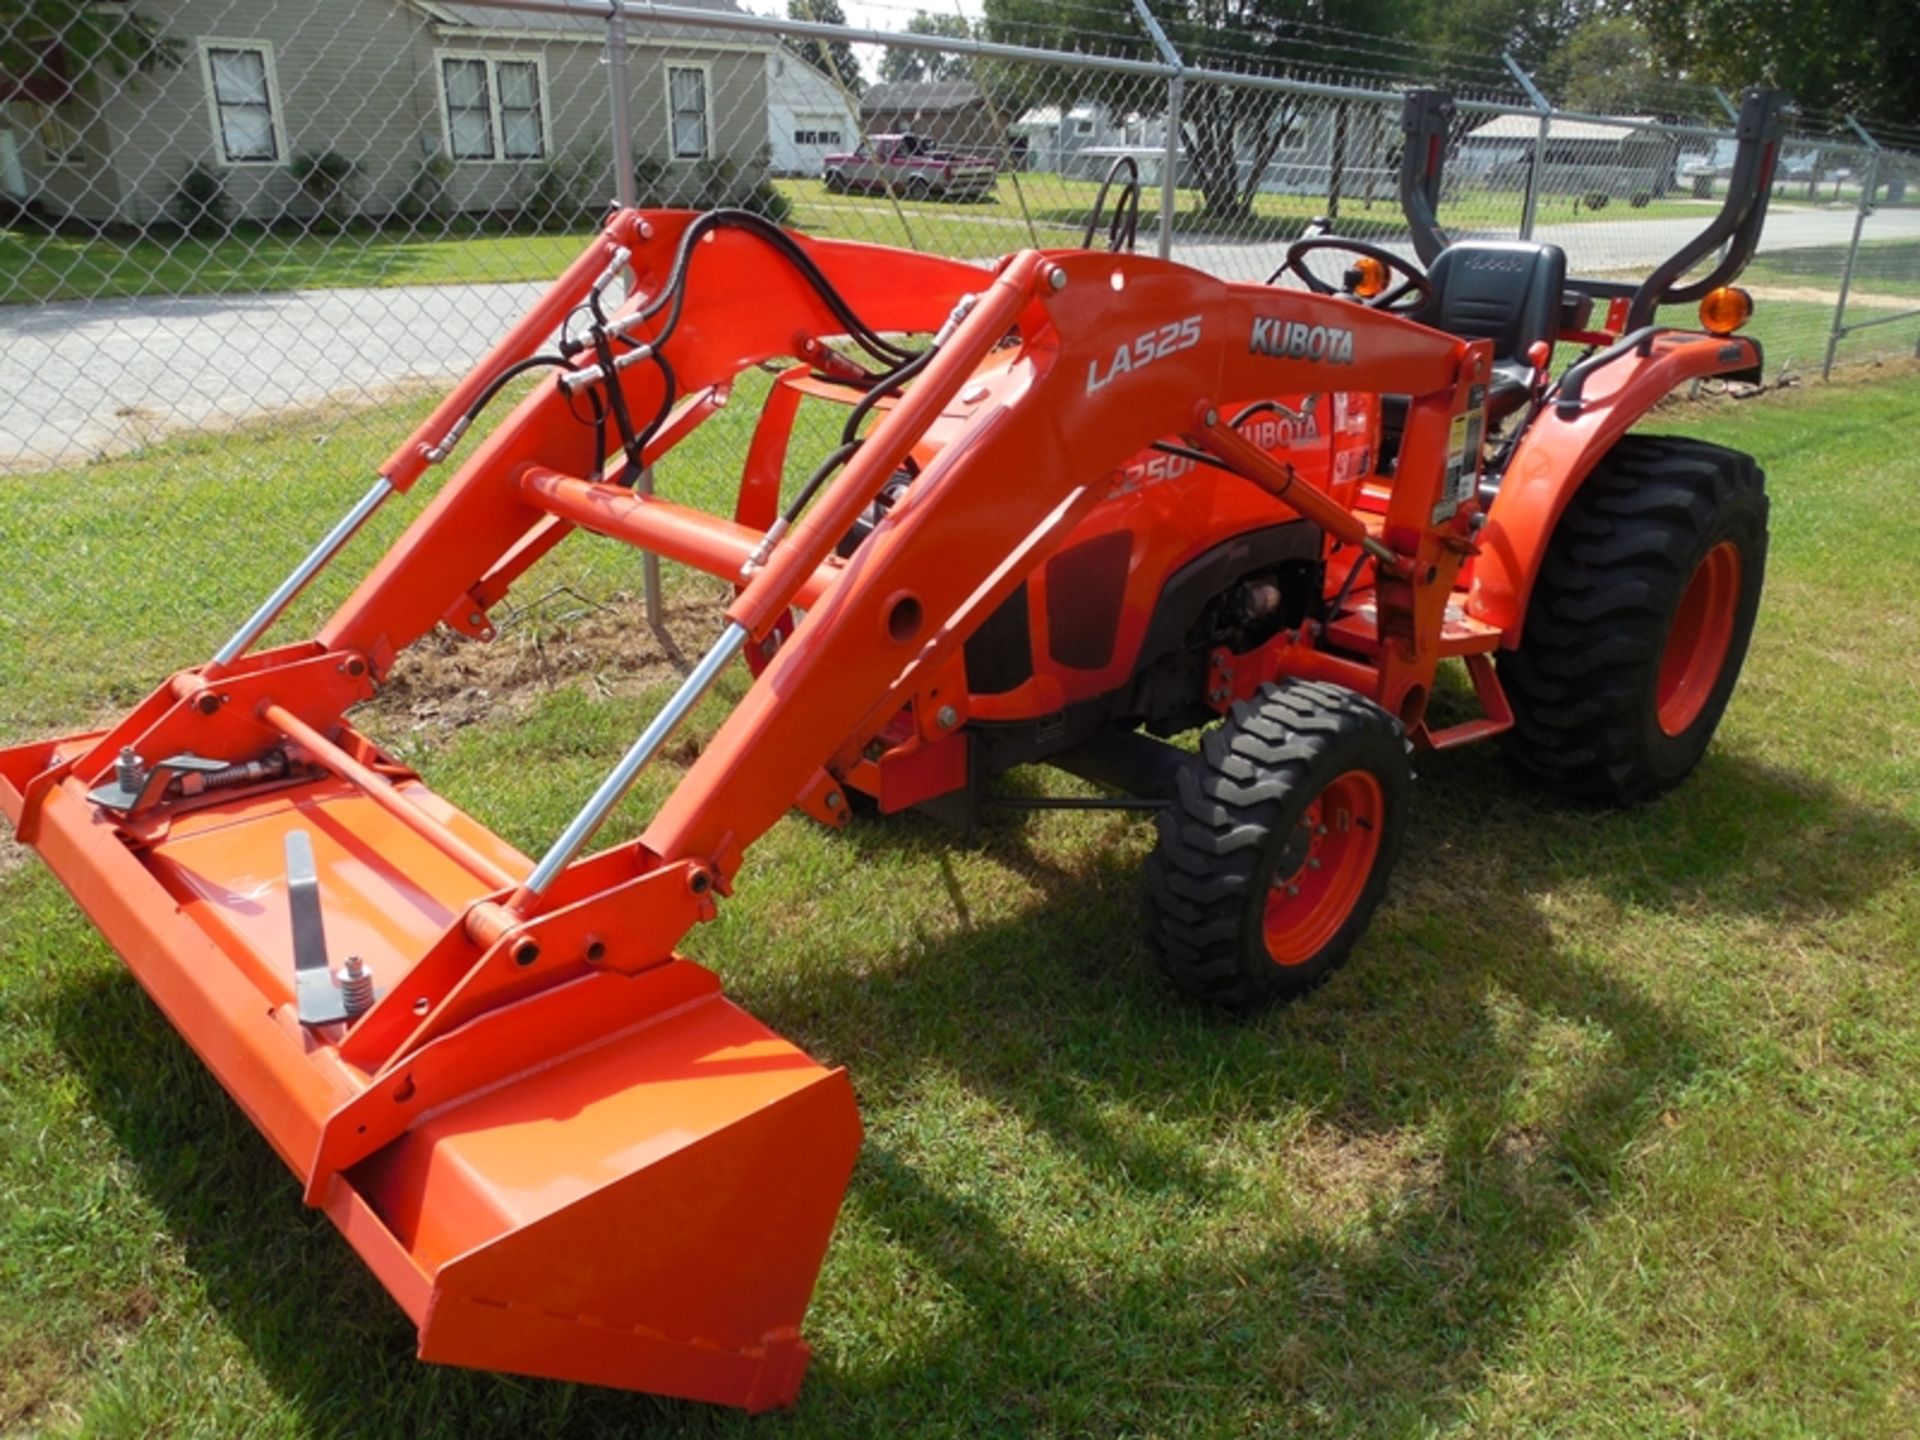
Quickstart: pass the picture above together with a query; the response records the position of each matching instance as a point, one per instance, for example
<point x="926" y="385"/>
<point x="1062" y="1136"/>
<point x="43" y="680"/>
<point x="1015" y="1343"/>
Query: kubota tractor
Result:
<point x="1081" y="501"/>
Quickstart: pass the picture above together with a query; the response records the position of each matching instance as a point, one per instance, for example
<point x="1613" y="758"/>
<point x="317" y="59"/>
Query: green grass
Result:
<point x="1884" y="267"/>
<point x="1608" y="1129"/>
<point x="38" y="268"/>
<point x="251" y="260"/>
<point x="1053" y="209"/>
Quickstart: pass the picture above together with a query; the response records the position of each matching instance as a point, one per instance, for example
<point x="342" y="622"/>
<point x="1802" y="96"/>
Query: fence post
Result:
<point x="1530" y="206"/>
<point x="1176" y="92"/>
<point x="619" y="92"/>
<point x="625" y="190"/>
<point x="1860" y="213"/>
<point x="1170" y="163"/>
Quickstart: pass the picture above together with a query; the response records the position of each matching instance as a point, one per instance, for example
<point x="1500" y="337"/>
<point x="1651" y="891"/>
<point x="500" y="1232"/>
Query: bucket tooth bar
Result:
<point x="559" y="1146"/>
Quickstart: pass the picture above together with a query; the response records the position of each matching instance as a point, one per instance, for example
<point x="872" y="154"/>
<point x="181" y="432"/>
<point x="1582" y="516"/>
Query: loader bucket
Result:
<point x="622" y="1179"/>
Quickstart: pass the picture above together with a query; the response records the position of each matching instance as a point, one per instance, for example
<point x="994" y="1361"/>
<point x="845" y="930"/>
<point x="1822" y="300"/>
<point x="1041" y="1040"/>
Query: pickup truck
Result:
<point x="909" y="165"/>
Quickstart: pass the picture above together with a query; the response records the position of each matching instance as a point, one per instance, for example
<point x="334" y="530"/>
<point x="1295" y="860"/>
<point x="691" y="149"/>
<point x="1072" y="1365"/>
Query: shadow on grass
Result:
<point x="1055" y="1020"/>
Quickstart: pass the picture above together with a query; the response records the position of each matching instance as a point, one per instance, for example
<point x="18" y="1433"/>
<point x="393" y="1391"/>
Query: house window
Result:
<point x="816" y="137"/>
<point x="240" y="91"/>
<point x="469" y="109"/>
<point x="55" y="134"/>
<point x="495" y="108"/>
<point x="520" y="133"/>
<point x="687" y="104"/>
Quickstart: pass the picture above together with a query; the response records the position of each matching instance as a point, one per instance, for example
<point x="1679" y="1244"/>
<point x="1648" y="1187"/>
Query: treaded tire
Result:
<point x="1240" y="828"/>
<point x="1587" y="681"/>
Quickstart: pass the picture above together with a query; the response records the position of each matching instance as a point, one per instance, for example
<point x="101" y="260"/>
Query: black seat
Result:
<point x="1506" y="291"/>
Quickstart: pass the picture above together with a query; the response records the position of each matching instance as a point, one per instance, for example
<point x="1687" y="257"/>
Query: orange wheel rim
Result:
<point x="1697" y="645"/>
<point x="1324" y="868"/>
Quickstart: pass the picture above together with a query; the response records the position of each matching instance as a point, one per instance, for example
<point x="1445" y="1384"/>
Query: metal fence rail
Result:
<point x="243" y="239"/>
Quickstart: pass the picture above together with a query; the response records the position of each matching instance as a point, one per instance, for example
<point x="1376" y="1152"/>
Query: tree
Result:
<point x="1532" y="31"/>
<point x="1859" y="55"/>
<point x="901" y="64"/>
<point x="1607" y="66"/>
<point x="60" y="41"/>
<point x="1229" y="133"/>
<point x="832" y="58"/>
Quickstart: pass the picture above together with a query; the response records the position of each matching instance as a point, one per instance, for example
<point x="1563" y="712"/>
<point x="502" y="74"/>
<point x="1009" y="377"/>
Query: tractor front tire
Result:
<point x="1277" y="847"/>
<point x="1639" y="620"/>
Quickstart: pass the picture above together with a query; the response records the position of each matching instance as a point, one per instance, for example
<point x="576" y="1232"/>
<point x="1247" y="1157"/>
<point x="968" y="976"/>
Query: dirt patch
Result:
<point x="1713" y="396"/>
<point x="447" y="682"/>
<point x="1867" y="299"/>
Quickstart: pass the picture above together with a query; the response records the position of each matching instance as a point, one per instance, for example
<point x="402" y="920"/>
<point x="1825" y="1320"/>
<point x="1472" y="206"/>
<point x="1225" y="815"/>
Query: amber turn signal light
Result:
<point x="1725" y="310"/>
<point x="1366" y="278"/>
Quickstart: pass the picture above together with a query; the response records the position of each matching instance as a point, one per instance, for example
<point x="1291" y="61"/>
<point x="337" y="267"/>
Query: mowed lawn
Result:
<point x="1042" y="209"/>
<point x="1608" y="1129"/>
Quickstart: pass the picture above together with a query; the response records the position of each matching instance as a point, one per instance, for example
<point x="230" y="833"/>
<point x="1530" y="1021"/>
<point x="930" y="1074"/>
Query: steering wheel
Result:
<point x="1389" y="299"/>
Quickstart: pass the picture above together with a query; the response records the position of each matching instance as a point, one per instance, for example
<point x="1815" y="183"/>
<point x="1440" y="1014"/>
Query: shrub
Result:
<point x="200" y="202"/>
<point x="426" y="200"/>
<point x="326" y="177"/>
<point x="1598" y="200"/>
<point x="569" y="192"/>
<point x="1640" y="199"/>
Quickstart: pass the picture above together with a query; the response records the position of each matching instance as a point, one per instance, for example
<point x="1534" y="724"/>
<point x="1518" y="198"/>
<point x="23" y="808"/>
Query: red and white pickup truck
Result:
<point x="909" y="165"/>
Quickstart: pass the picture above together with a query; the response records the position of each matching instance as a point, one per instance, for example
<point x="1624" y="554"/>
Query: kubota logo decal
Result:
<point x="1297" y="340"/>
<point x="1168" y="339"/>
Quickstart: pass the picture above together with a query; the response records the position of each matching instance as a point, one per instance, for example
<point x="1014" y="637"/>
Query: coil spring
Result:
<point x="356" y="988"/>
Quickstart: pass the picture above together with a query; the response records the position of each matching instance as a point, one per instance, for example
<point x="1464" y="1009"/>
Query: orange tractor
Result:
<point x="1080" y="501"/>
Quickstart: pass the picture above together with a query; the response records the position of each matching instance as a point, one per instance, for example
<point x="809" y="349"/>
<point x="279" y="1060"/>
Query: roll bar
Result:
<point x="1424" y="121"/>
<point x="1737" y="226"/>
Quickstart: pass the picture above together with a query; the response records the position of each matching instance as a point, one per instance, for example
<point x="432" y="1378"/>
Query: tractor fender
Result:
<point x="1558" y="452"/>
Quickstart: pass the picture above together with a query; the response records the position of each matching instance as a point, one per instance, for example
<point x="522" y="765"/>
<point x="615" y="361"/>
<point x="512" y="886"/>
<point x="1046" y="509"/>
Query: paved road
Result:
<point x="90" y="377"/>
<point x="85" y="378"/>
<point x="1598" y="246"/>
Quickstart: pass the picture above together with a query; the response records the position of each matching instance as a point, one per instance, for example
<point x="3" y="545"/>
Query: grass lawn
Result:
<point x="1048" y="208"/>
<point x="40" y="268"/>
<point x="1608" y="1129"/>
<point x="1884" y="267"/>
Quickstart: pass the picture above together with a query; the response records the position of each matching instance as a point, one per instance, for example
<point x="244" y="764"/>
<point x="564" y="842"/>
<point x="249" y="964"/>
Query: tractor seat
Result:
<point x="1506" y="291"/>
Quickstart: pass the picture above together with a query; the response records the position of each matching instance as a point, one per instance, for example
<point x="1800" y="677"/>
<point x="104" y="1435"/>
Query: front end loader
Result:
<point x="1080" y="502"/>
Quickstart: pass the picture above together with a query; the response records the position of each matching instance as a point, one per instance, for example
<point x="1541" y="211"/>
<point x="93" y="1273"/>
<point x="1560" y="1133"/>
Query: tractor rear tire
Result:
<point x="1639" y="620"/>
<point x="1278" y="844"/>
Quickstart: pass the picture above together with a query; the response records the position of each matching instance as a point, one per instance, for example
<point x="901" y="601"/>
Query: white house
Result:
<point x="808" y="116"/>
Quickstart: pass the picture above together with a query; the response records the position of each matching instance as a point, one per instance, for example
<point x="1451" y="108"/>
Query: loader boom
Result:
<point x="554" y="1141"/>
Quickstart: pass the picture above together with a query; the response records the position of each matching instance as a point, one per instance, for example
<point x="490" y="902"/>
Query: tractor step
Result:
<point x="1358" y="630"/>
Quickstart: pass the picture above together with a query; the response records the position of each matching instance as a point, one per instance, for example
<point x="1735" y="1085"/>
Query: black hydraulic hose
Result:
<point x="886" y="385"/>
<point x="841" y="454"/>
<point x="1126" y="210"/>
<point x="669" y="392"/>
<point x="1199" y="457"/>
<point x="673" y="295"/>
<point x="617" y="402"/>
<point x="500" y="381"/>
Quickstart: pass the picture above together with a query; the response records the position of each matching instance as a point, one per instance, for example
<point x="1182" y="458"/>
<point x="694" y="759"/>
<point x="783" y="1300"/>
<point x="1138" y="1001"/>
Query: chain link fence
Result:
<point x="244" y="242"/>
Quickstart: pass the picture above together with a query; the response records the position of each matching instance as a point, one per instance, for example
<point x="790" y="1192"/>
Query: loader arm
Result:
<point x="562" y="1150"/>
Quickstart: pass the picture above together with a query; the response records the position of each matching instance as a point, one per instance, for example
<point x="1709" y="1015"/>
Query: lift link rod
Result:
<point x="1250" y="462"/>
